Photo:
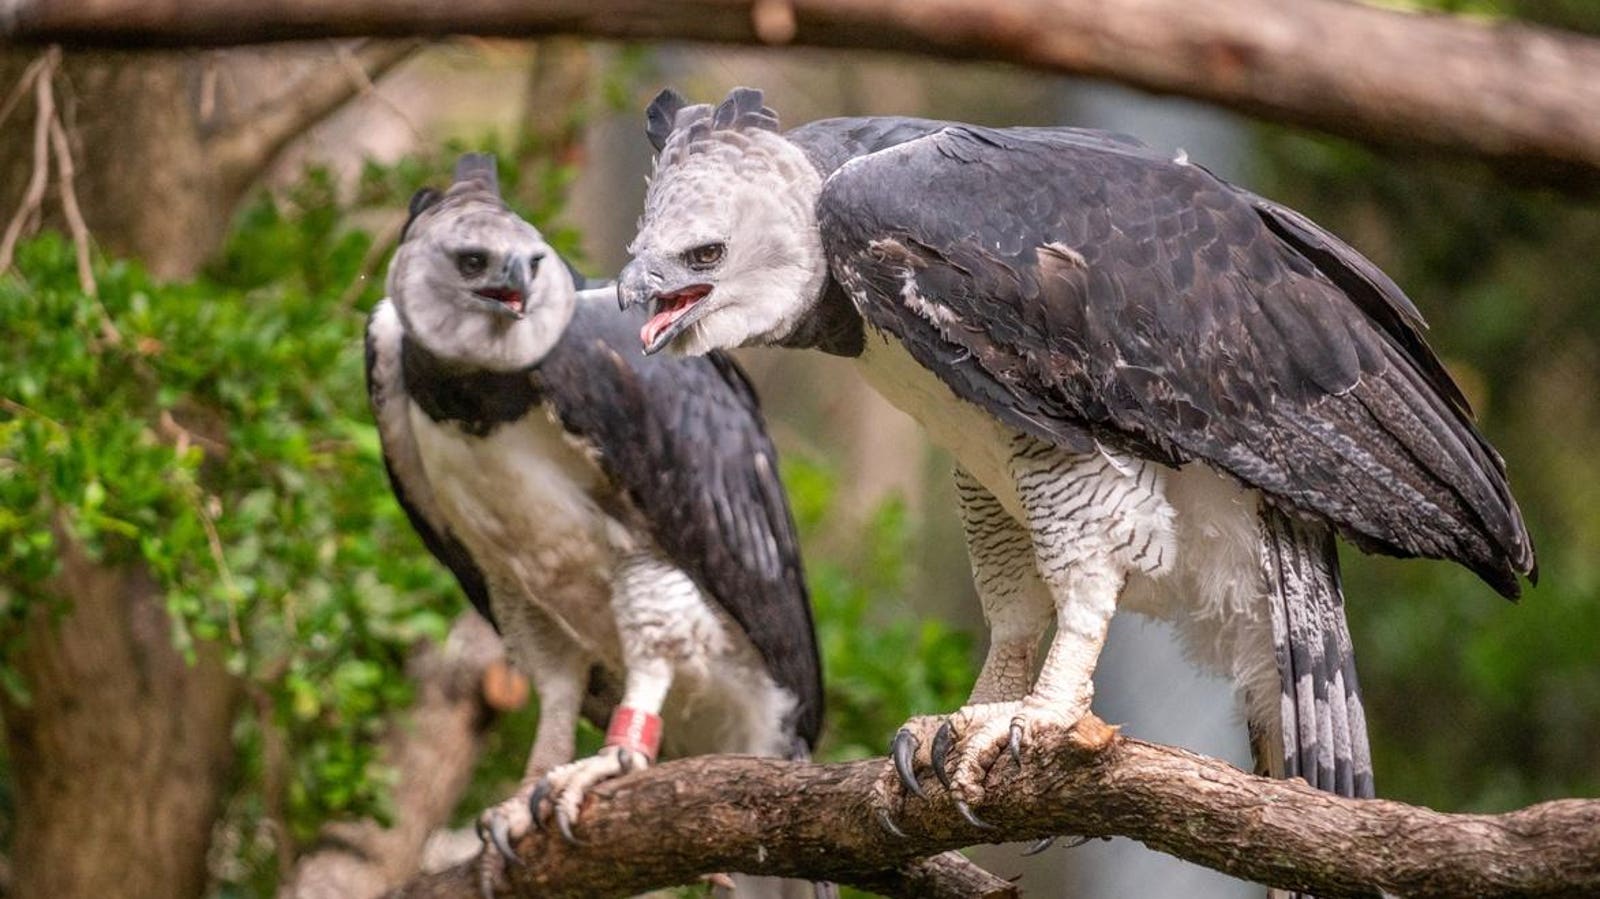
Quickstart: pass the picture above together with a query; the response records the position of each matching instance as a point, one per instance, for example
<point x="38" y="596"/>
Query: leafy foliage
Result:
<point x="224" y="444"/>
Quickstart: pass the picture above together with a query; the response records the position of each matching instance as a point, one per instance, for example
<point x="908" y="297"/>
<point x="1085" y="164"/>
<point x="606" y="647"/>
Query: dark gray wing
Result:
<point x="684" y="440"/>
<point x="386" y="391"/>
<point x="1081" y="287"/>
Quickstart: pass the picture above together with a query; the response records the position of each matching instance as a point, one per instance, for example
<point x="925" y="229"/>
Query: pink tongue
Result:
<point x="657" y="323"/>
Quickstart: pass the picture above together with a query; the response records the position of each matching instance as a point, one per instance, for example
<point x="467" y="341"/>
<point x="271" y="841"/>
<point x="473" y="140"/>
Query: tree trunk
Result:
<point x="122" y="753"/>
<point x="146" y="188"/>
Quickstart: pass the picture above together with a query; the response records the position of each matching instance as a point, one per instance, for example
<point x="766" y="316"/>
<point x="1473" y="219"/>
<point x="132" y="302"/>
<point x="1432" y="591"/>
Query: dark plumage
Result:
<point x="1146" y="303"/>
<point x="1163" y="393"/>
<point x="619" y="518"/>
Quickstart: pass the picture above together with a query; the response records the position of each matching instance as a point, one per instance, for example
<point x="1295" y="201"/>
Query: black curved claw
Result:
<point x="1015" y="743"/>
<point x="942" y="738"/>
<point x="536" y="799"/>
<point x="887" y="823"/>
<point x="564" y="824"/>
<point x="1039" y="847"/>
<point x="966" y="812"/>
<point x="500" y="836"/>
<point x="486" y="878"/>
<point x="901" y="749"/>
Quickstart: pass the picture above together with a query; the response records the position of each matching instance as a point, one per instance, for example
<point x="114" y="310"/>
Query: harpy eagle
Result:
<point x="615" y="516"/>
<point x="1163" y="393"/>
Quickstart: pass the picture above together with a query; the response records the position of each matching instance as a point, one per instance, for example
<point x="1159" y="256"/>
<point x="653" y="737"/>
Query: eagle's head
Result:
<point x="473" y="283"/>
<point x="728" y="253"/>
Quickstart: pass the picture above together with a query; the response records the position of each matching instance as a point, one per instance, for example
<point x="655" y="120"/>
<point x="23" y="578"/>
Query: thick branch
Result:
<point x="666" y="825"/>
<point x="432" y="751"/>
<point x="242" y="150"/>
<point x="1514" y="94"/>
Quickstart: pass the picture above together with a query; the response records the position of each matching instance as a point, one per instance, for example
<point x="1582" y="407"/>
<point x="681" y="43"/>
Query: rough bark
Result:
<point x="125" y="748"/>
<point x="159" y="175"/>
<point x="666" y="825"/>
<point x="432" y="750"/>
<point x="1520" y="96"/>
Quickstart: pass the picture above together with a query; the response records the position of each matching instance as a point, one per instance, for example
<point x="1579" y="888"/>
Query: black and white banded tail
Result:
<point x="1322" y="730"/>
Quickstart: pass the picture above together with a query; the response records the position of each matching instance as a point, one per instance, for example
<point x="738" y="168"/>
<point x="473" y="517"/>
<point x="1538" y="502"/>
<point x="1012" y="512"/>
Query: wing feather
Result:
<point x="387" y="394"/>
<point x="1084" y="288"/>
<point x="684" y="440"/>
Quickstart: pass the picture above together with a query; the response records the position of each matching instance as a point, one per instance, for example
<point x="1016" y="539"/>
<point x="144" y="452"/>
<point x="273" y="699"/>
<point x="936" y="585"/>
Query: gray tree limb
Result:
<point x="1521" y="97"/>
<point x="671" y="823"/>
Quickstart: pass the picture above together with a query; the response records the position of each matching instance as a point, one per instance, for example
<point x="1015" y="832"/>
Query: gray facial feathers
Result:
<point x="469" y="280"/>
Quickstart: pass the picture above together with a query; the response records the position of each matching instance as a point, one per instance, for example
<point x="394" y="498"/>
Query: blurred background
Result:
<point x="202" y="560"/>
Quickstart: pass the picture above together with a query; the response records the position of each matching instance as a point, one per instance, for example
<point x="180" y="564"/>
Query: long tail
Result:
<point x="1321" y="731"/>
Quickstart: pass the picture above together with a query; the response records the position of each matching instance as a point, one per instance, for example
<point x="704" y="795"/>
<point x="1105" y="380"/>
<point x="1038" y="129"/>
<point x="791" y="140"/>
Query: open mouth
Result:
<point x="505" y="296"/>
<point x="670" y="318"/>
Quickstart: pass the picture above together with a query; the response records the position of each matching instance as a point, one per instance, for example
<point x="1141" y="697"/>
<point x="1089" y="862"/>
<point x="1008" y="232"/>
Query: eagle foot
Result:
<point x="1041" y="845"/>
<point x="995" y="737"/>
<point x="565" y="786"/>
<point x="499" y="828"/>
<point x="960" y="750"/>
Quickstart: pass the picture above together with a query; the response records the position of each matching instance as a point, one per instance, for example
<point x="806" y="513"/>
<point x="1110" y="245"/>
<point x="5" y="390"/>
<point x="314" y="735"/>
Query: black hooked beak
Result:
<point x="673" y="311"/>
<point x="514" y="285"/>
<point x="635" y="286"/>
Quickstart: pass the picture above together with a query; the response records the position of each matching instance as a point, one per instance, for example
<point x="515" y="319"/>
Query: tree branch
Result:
<point x="671" y="823"/>
<point x="244" y="148"/>
<point x="1517" y="95"/>
<point x="432" y="750"/>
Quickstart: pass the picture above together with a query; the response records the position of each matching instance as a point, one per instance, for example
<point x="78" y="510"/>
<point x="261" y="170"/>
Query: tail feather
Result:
<point x="1321" y="734"/>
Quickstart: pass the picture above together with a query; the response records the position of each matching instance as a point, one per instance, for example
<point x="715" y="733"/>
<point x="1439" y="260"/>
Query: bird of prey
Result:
<point x="618" y="518"/>
<point x="1163" y="393"/>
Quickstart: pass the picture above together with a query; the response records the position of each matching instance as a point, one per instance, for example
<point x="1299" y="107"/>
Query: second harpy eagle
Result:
<point x="619" y="518"/>
<point x="1163" y="393"/>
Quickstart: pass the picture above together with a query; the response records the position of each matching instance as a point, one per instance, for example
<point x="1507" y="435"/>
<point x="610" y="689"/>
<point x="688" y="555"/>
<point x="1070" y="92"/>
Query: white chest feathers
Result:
<point x="981" y="444"/>
<point x="524" y="501"/>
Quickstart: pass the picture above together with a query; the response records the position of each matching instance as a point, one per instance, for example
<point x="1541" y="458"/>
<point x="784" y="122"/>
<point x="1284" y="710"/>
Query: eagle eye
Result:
<point x="706" y="255"/>
<point x="471" y="263"/>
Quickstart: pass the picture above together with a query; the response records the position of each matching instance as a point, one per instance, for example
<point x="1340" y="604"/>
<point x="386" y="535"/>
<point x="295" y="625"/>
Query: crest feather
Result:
<point x="743" y="109"/>
<point x="478" y="167"/>
<point x="662" y="115"/>
<point x="421" y="201"/>
<point x="669" y="120"/>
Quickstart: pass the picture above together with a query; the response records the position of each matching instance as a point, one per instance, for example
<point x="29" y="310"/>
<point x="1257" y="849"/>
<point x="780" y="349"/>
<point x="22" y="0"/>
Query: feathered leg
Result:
<point x="1017" y="609"/>
<point x="559" y="670"/>
<point x="649" y="597"/>
<point x="1092" y="519"/>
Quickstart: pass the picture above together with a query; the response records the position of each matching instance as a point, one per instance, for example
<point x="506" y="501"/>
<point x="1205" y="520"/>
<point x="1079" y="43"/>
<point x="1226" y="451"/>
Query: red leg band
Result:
<point x="635" y="730"/>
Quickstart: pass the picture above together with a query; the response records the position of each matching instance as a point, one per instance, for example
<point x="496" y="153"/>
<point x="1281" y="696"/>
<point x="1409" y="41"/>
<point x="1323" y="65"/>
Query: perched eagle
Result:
<point x="1163" y="393"/>
<point x="617" y="517"/>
